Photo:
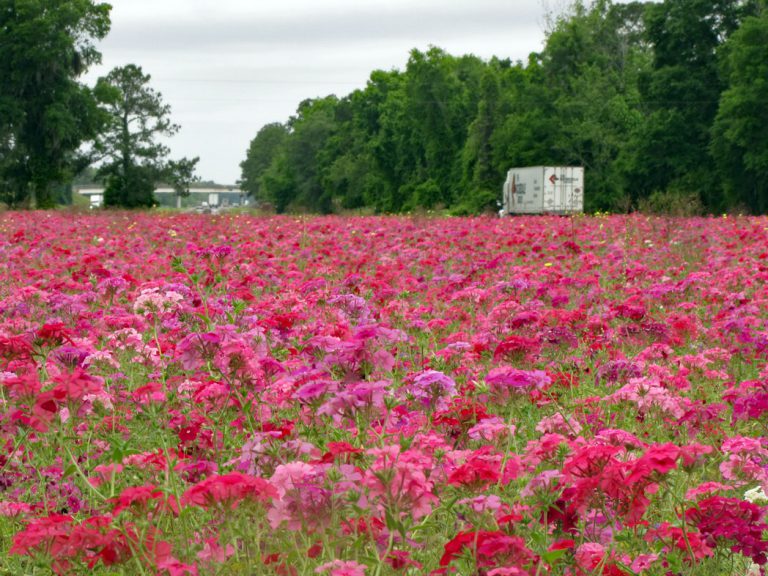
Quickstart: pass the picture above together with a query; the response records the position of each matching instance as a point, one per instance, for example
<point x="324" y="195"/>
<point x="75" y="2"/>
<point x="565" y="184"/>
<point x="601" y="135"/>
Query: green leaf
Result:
<point x="552" y="556"/>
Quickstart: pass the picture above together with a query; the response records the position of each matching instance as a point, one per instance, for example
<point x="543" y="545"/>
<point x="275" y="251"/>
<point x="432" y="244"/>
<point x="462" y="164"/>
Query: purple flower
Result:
<point x="70" y="356"/>
<point x="313" y="390"/>
<point x="506" y="378"/>
<point x="431" y="388"/>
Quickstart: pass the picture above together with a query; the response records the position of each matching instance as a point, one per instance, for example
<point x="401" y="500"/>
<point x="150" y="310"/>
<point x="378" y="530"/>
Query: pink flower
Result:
<point x="643" y="562"/>
<point x="647" y="393"/>
<point x="706" y="488"/>
<point x="152" y="301"/>
<point x="214" y="552"/>
<point x="557" y="423"/>
<point x="172" y="567"/>
<point x="506" y="379"/>
<point x="14" y="509"/>
<point x="589" y="556"/>
<point x="341" y="568"/>
<point x="490" y="429"/>
<point x="542" y="483"/>
<point x="304" y="500"/>
<point x="479" y="504"/>
<point x="398" y="481"/>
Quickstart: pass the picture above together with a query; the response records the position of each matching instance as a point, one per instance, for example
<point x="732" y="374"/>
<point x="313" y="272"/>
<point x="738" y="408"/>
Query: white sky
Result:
<point x="228" y="67"/>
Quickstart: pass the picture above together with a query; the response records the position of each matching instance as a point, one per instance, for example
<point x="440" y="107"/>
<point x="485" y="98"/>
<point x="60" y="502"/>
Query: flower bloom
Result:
<point x="491" y="429"/>
<point x="303" y="498"/>
<point x="557" y="423"/>
<point x="431" y="388"/>
<point x="142" y="497"/>
<point x="152" y="301"/>
<point x="490" y="549"/>
<point x="228" y="491"/>
<point x="341" y="568"/>
<point x="733" y="521"/>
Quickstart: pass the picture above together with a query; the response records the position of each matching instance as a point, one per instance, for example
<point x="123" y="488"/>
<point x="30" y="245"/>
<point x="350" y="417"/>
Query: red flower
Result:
<point x="142" y="497"/>
<point x="24" y="386"/>
<point x="562" y="544"/>
<point x="460" y="416"/>
<point x="54" y="333"/>
<point x="337" y="449"/>
<point x="733" y="522"/>
<point x="15" y="347"/>
<point x="229" y="490"/>
<point x="401" y="559"/>
<point x="516" y="346"/>
<point x="659" y="458"/>
<point x="481" y="469"/>
<point x="689" y="541"/>
<point x="73" y="386"/>
<point x="92" y="541"/>
<point x="46" y="533"/>
<point x="490" y="549"/>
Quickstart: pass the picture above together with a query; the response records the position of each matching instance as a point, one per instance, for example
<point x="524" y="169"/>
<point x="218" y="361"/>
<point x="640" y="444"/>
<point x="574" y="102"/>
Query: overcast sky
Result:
<point x="227" y="67"/>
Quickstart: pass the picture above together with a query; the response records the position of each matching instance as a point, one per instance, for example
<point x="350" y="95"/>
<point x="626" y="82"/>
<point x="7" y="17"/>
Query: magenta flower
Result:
<point x="341" y="568"/>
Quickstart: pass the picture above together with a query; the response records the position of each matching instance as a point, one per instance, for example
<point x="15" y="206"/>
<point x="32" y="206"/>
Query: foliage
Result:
<point x="680" y="94"/>
<point x="180" y="174"/>
<point x="672" y="203"/>
<point x="262" y="150"/>
<point x="133" y="159"/>
<point x="630" y="91"/>
<point x="45" y="113"/>
<point x="740" y="142"/>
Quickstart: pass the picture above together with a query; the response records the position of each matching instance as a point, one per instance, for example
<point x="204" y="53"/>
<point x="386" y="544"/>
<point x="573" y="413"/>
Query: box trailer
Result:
<point x="543" y="190"/>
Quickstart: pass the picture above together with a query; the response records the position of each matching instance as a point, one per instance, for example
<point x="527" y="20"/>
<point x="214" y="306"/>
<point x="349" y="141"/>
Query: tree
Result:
<point x="740" y="140"/>
<point x="45" y="113"/>
<point x="528" y="127"/>
<point x="591" y="64"/>
<point x="133" y="158"/>
<point x="295" y="176"/>
<point x="390" y="138"/>
<point x="442" y="100"/>
<point x="355" y="160"/>
<point x="180" y="174"/>
<point x="629" y="90"/>
<point x="680" y="94"/>
<point x="261" y="152"/>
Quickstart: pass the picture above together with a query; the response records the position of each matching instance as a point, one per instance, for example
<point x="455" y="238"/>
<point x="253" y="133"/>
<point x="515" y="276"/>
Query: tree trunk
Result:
<point x="42" y="196"/>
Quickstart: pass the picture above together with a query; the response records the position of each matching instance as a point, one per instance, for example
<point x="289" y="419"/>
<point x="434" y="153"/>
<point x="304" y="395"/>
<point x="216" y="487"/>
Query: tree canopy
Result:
<point x="45" y="112"/>
<point x="659" y="101"/>
<point x="740" y="139"/>
<point x="133" y="159"/>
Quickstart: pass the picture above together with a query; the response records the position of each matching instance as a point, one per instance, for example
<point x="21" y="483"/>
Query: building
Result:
<point x="208" y="196"/>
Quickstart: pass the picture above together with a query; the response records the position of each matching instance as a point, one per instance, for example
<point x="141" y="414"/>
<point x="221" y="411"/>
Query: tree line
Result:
<point x="664" y="104"/>
<point x="53" y="127"/>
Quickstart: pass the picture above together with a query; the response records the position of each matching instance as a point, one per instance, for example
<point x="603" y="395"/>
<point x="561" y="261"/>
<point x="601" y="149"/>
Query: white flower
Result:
<point x="756" y="496"/>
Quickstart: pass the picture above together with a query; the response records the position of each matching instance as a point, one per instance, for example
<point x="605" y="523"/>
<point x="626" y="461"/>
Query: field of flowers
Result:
<point x="193" y="395"/>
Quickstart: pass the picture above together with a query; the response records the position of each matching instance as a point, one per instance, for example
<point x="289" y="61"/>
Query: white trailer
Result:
<point x="543" y="190"/>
